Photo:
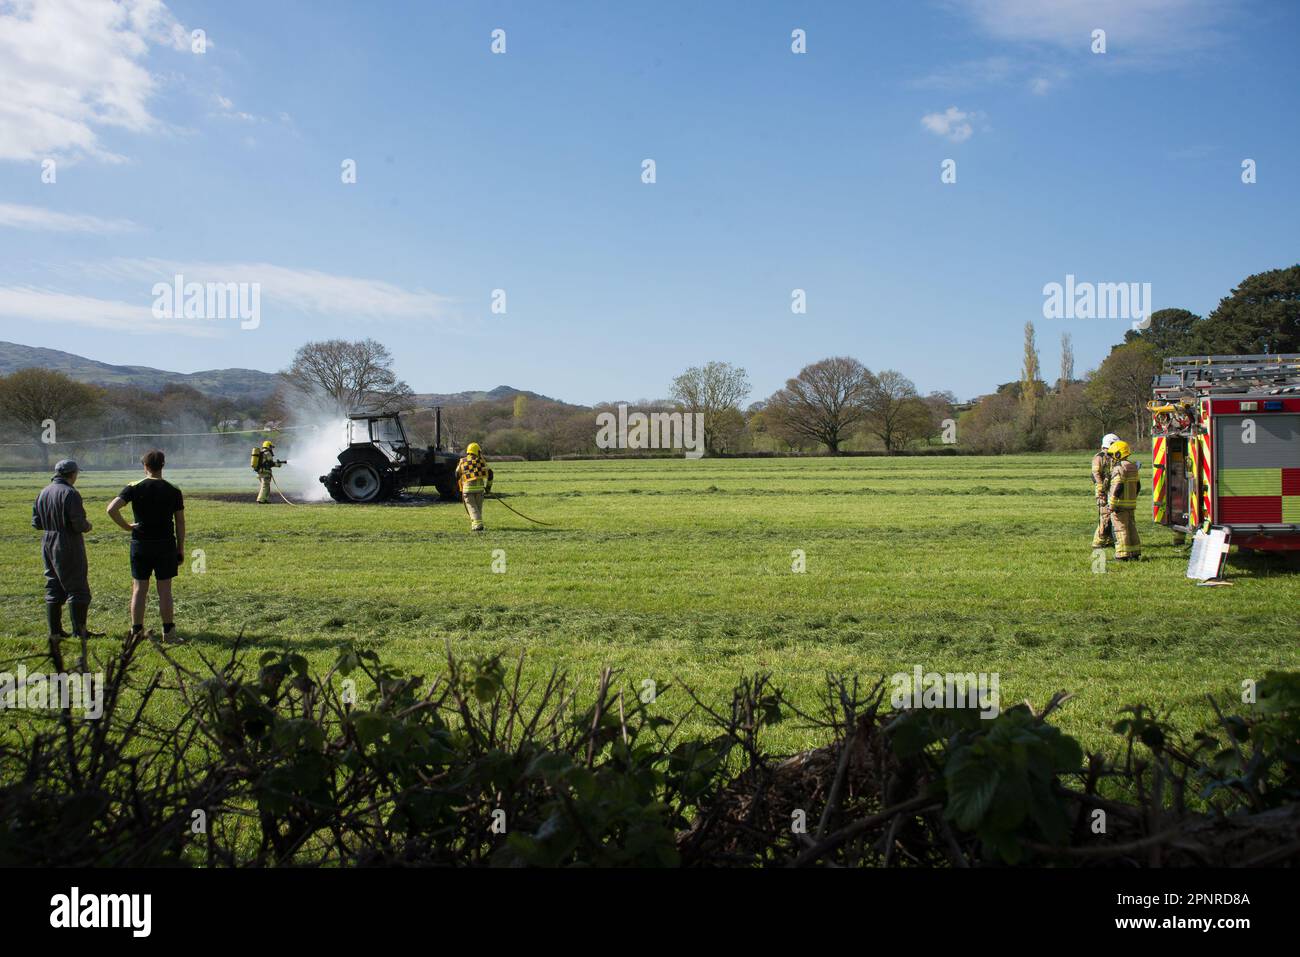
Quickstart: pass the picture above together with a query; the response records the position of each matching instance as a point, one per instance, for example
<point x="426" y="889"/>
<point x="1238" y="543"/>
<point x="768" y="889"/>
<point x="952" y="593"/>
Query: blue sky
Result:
<point x="522" y="172"/>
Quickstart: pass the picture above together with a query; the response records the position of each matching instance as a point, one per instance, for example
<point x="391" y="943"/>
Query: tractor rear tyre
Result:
<point x="364" y="482"/>
<point x="447" y="490"/>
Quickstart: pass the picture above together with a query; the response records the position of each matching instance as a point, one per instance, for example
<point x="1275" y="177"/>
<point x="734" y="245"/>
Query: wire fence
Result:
<point x="192" y="449"/>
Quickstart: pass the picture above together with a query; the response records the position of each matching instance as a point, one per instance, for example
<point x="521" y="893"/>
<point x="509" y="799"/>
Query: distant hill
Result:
<point x="236" y="384"/>
<point x="427" y="400"/>
<point x="249" y="384"/>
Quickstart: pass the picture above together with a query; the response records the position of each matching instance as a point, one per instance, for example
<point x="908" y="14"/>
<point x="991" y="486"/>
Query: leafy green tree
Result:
<point x="1171" y="332"/>
<point x="1030" y="373"/>
<point x="1262" y="314"/>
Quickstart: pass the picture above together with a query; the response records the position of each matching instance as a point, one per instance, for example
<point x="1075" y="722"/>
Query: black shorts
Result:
<point x="158" y="559"/>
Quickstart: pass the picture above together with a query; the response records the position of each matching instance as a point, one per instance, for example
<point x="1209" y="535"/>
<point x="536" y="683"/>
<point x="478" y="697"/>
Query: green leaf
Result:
<point x="972" y="781"/>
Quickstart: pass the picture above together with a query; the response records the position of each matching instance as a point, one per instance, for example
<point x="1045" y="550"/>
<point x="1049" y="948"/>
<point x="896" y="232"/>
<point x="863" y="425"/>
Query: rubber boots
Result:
<point x="54" y="616"/>
<point x="79" y="628"/>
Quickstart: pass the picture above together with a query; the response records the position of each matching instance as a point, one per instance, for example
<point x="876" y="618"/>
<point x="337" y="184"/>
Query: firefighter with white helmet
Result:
<point x="263" y="461"/>
<point x="1122" y="500"/>
<point x="1102" y="538"/>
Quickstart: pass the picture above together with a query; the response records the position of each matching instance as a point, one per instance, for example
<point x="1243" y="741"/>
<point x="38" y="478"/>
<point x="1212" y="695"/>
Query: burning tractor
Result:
<point x="379" y="462"/>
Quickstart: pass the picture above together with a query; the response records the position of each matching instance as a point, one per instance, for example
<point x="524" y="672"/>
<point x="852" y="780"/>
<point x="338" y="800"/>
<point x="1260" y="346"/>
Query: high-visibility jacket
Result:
<point x="1101" y="463"/>
<point x="473" y="474"/>
<point x="1124" y="485"/>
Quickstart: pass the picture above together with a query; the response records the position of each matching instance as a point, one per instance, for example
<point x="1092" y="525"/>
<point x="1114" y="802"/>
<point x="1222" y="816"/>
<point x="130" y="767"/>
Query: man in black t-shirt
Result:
<point x="157" y="538"/>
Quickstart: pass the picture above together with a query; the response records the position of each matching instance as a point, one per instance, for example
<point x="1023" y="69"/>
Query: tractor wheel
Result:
<point x="447" y="490"/>
<point x="334" y="484"/>
<point x="364" y="482"/>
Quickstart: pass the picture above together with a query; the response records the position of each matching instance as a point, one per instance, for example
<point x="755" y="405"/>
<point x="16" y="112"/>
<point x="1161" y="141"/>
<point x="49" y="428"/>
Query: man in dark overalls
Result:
<point x="60" y="514"/>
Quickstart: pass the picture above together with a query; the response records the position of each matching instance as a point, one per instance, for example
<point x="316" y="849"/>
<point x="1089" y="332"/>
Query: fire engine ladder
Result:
<point x="1210" y="375"/>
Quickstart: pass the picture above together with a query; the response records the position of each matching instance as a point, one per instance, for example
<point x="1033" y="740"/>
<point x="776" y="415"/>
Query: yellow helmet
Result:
<point x="268" y="444"/>
<point x="473" y="449"/>
<point x="1119" y="448"/>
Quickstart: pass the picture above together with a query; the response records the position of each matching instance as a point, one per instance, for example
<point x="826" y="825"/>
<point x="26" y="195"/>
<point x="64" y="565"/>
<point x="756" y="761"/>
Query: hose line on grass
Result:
<point x="280" y="493"/>
<point x="497" y="498"/>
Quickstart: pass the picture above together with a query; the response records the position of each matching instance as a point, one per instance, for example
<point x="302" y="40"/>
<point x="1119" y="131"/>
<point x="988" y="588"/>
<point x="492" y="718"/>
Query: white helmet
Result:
<point x="1109" y="439"/>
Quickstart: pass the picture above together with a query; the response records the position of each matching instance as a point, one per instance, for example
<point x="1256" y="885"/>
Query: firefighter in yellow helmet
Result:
<point x="1122" y="500"/>
<point x="474" y="479"/>
<point x="263" y="461"/>
<point x="1101" y="537"/>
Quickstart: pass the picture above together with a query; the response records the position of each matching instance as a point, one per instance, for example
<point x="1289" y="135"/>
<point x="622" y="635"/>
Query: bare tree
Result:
<point x="826" y="401"/>
<point x="1067" y="363"/>
<point x="349" y="376"/>
<point x="31" y="397"/>
<point x="891" y="412"/>
<point x="715" y="389"/>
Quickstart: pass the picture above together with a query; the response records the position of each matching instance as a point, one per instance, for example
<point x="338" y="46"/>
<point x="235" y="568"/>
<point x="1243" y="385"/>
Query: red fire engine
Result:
<point x="1226" y="447"/>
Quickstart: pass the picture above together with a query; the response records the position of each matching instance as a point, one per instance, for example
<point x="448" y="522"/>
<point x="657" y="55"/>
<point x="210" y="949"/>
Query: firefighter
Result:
<point x="61" y="515"/>
<point x="1122" y="500"/>
<point x="263" y="462"/>
<point x="474" y="479"/>
<point x="1101" y="538"/>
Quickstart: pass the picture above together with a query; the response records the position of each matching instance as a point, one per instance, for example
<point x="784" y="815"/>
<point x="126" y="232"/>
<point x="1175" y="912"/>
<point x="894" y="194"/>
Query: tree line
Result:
<point x="834" y="405"/>
<point x="47" y="415"/>
<point x="1260" y="315"/>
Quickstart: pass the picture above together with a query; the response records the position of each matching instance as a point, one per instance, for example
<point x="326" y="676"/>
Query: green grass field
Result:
<point x="680" y="571"/>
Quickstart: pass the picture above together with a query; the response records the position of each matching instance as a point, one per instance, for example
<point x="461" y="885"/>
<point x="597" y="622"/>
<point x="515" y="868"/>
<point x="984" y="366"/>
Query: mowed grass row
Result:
<point x="681" y="572"/>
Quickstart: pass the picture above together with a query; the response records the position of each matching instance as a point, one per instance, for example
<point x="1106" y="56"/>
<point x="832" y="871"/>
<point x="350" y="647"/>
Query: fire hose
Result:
<point x="281" y="493"/>
<point x="498" y="498"/>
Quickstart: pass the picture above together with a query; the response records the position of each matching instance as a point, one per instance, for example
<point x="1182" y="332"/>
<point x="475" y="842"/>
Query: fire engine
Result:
<point x="1226" y="448"/>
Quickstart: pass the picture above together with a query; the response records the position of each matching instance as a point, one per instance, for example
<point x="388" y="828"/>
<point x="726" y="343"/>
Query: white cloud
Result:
<point x="969" y="73"/>
<point x="304" y="290"/>
<point x="69" y="68"/>
<point x="226" y="108"/>
<point x="29" y="304"/>
<point x="952" y="123"/>
<point x="1040" y="85"/>
<point x="1153" y="28"/>
<point x="38" y="218"/>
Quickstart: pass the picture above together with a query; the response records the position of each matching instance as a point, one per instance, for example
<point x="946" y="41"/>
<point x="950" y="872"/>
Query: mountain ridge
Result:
<point x="236" y="384"/>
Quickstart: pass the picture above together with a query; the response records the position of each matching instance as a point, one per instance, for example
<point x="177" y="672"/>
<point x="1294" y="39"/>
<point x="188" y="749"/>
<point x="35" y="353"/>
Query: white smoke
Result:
<point x="320" y="433"/>
<point x="312" y="451"/>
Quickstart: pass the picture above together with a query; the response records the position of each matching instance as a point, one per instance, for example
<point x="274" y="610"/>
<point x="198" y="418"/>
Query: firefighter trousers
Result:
<point x="1127" y="544"/>
<point x="474" y="505"/>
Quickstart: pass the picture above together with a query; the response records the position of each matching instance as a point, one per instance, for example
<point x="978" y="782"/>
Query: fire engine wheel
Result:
<point x="363" y="482"/>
